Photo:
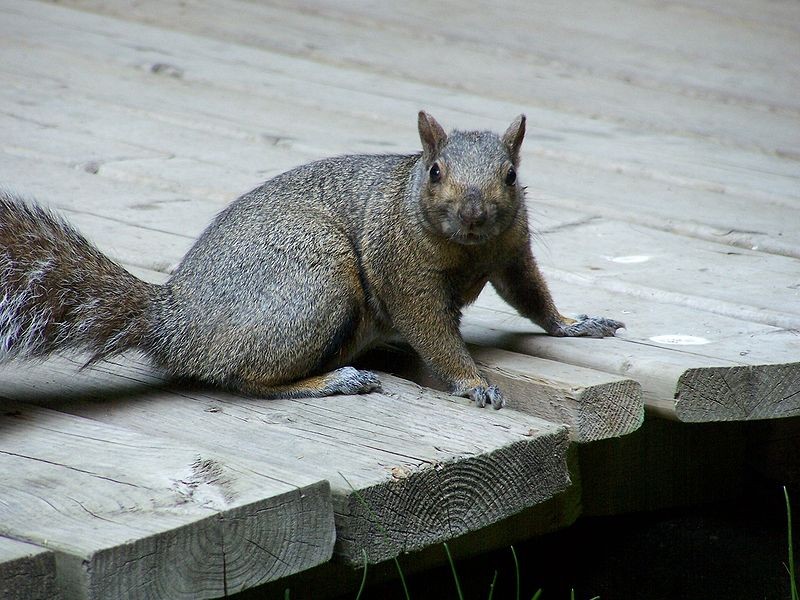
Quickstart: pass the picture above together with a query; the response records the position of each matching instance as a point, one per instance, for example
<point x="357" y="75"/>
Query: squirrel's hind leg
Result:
<point x="345" y="380"/>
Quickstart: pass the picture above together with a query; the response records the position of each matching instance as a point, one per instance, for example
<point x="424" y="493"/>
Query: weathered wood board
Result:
<point x="200" y="68"/>
<point x="561" y="78"/>
<point x="692" y="213"/>
<point x="637" y="261"/>
<point x="692" y="365"/>
<point x="571" y="184"/>
<point x="661" y="161"/>
<point x="695" y="162"/>
<point x="570" y="37"/>
<point x="427" y="467"/>
<point x="136" y="516"/>
<point x="594" y="405"/>
<point x="27" y="572"/>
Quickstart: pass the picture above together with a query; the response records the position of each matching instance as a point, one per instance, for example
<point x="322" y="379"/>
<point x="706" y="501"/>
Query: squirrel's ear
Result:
<point x="513" y="137"/>
<point x="431" y="134"/>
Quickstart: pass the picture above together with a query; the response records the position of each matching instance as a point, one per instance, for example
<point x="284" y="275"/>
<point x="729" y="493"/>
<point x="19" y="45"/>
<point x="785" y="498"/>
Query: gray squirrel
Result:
<point x="297" y="277"/>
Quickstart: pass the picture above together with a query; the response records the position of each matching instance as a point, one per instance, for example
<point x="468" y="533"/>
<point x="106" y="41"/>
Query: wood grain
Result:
<point x="163" y="518"/>
<point x="660" y="130"/>
<point x="594" y="405"/>
<point x="27" y="572"/>
<point x="672" y="376"/>
<point x="427" y="467"/>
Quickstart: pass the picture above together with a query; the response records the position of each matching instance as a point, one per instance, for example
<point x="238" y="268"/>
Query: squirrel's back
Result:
<point x="241" y="285"/>
<point x="244" y="298"/>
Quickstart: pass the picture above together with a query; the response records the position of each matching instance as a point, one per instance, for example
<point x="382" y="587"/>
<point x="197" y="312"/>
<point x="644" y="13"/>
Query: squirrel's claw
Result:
<point x="587" y="326"/>
<point x="482" y="394"/>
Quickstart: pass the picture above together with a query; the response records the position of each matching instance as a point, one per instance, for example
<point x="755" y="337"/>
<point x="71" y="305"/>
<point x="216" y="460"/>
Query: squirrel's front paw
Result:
<point x="587" y="326"/>
<point x="482" y="394"/>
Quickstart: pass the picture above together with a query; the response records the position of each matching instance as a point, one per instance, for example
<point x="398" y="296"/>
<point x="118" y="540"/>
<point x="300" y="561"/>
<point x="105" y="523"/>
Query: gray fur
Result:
<point x="295" y="278"/>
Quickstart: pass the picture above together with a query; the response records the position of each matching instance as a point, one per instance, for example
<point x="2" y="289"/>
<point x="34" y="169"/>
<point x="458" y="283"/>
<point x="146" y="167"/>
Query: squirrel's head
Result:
<point x="469" y="190"/>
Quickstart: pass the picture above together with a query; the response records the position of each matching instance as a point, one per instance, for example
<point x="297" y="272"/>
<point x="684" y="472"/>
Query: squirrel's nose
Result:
<point x="472" y="213"/>
<point x="472" y="216"/>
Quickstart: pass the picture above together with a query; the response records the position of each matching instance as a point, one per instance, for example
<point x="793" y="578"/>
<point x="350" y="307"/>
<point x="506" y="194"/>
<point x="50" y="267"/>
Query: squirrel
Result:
<point x="295" y="278"/>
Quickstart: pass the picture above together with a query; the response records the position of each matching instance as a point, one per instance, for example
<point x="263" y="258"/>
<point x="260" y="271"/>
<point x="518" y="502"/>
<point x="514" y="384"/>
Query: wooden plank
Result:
<point x="694" y="162"/>
<point x="695" y="56"/>
<point x="764" y="229"/>
<point x="692" y="365"/>
<point x="239" y="164"/>
<point x="344" y="35"/>
<point x="430" y="468"/>
<point x="262" y="112"/>
<point x="702" y="214"/>
<point x="131" y="515"/>
<point x="240" y="82"/>
<point x="766" y="15"/>
<point x="592" y="404"/>
<point x="573" y="186"/>
<point x="337" y="579"/>
<point x="732" y="219"/>
<point x="631" y="259"/>
<point x="27" y="572"/>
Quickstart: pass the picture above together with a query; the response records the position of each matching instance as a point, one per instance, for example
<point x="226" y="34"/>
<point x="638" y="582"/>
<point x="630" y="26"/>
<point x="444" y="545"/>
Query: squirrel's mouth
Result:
<point x="466" y="228"/>
<point x="471" y="235"/>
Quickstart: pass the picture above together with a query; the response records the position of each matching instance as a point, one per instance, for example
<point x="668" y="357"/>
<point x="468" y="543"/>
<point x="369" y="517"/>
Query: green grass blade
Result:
<point x="537" y="595"/>
<point x="491" y="587"/>
<point x="792" y="575"/>
<point x="382" y="529"/>
<point x="453" y="569"/>
<point x="363" y="577"/>
<point x="516" y="569"/>
<point x="371" y="514"/>
<point x="402" y="578"/>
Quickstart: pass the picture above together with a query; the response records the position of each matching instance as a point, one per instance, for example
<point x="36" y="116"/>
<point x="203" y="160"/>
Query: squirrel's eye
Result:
<point x="435" y="173"/>
<point x="511" y="176"/>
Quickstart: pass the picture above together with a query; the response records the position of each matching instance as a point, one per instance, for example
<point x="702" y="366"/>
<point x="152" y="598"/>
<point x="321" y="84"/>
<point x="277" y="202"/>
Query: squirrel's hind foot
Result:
<point x="346" y="380"/>
<point x="349" y="380"/>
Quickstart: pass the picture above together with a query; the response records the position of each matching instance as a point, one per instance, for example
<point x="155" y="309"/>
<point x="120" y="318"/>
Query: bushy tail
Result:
<point x="58" y="292"/>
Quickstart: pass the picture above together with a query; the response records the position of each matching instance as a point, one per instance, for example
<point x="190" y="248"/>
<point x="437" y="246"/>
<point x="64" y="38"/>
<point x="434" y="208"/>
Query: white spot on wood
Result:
<point x="629" y="260"/>
<point x="680" y="340"/>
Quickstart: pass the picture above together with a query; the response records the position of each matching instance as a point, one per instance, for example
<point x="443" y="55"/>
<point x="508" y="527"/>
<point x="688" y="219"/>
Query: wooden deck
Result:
<point x="663" y="171"/>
